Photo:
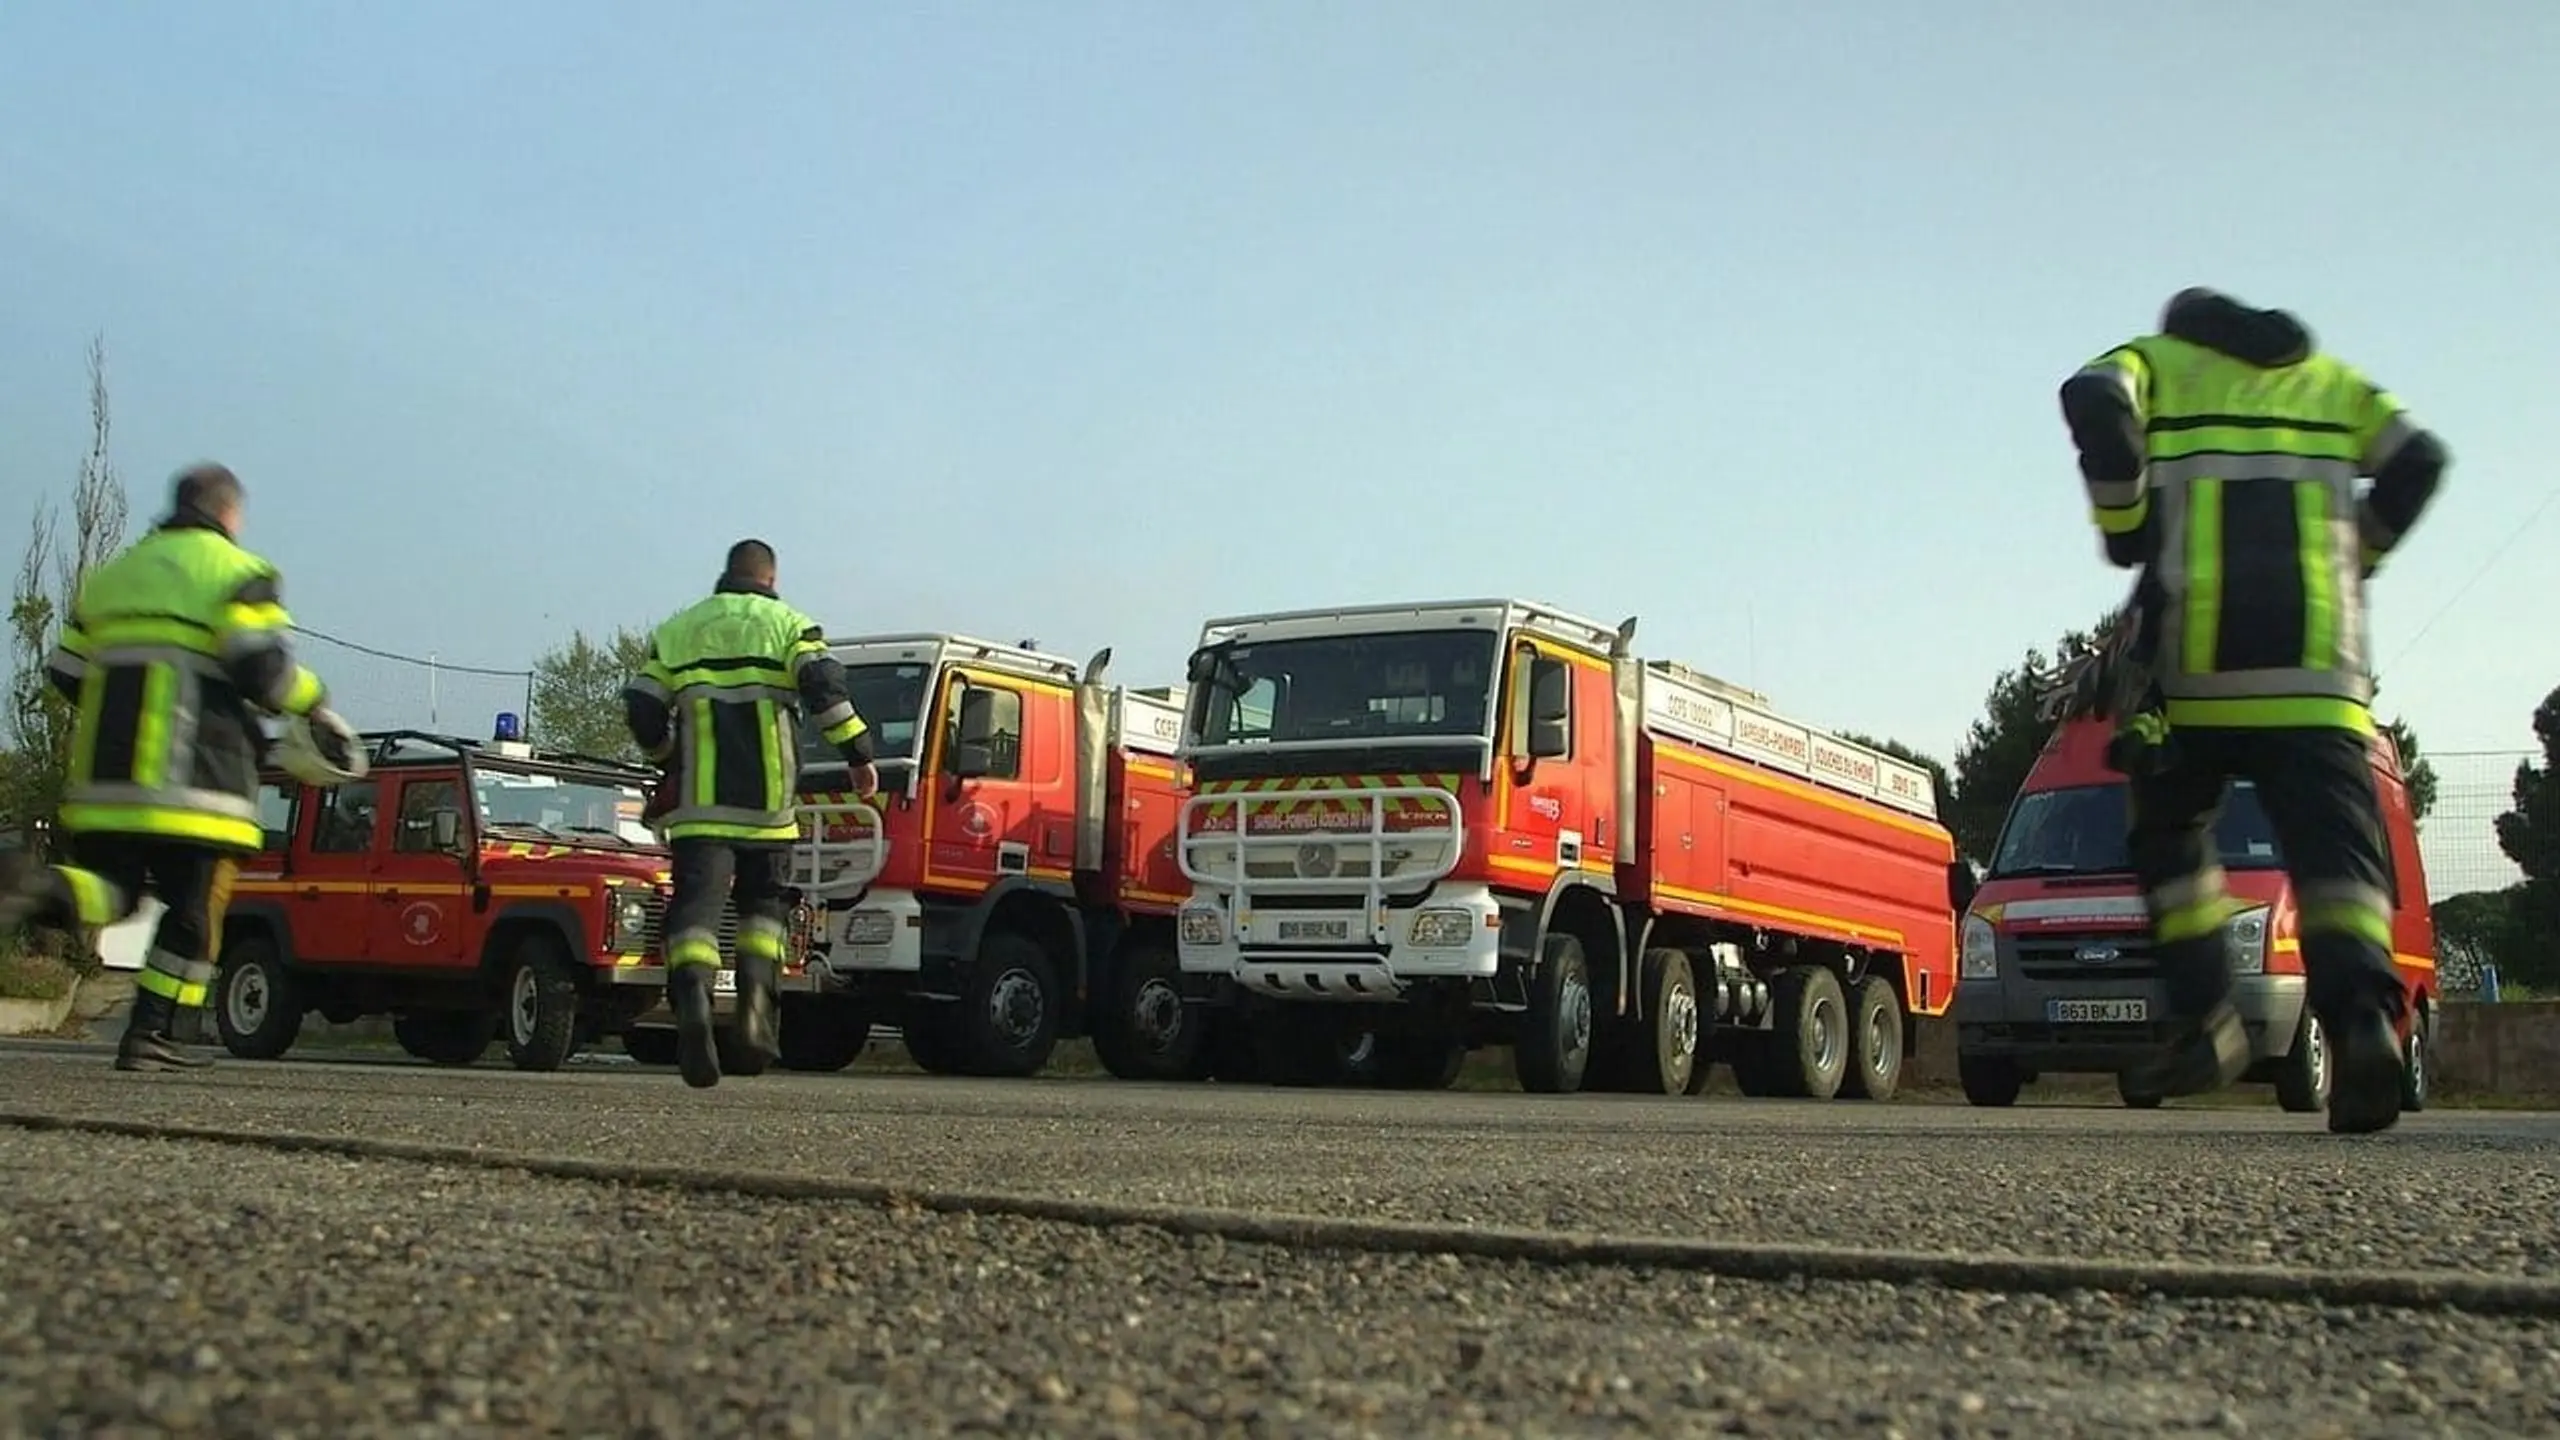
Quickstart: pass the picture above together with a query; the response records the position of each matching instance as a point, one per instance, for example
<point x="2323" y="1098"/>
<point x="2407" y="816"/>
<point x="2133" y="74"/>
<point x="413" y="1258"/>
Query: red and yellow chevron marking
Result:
<point x="840" y="829"/>
<point x="1281" y="805"/>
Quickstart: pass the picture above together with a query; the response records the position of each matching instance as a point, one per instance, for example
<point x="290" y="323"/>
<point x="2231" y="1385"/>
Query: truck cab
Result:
<point x="2056" y="975"/>
<point x="1013" y="882"/>
<point x="473" y="891"/>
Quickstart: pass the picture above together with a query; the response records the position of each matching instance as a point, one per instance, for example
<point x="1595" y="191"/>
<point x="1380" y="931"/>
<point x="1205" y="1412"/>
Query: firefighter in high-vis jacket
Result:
<point x="169" y="650"/>
<point x="2221" y="456"/>
<point x="716" y="705"/>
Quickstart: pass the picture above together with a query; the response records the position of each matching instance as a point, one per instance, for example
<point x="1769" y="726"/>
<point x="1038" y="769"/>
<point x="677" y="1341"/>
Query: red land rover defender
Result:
<point x="473" y="891"/>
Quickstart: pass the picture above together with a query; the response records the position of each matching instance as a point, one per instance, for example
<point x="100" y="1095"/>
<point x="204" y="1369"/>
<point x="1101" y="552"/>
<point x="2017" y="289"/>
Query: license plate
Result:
<point x="724" y="982"/>
<point x="1335" y="930"/>
<point x="2097" y="1012"/>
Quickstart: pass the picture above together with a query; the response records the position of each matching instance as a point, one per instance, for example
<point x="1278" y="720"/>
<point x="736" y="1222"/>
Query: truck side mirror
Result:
<point x="973" y="749"/>
<point x="444" y="829"/>
<point x="1550" y="709"/>
<point x="1961" y="885"/>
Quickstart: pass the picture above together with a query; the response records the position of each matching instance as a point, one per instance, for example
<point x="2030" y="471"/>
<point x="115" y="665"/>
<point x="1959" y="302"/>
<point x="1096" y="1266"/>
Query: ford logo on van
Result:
<point x="2096" y="954"/>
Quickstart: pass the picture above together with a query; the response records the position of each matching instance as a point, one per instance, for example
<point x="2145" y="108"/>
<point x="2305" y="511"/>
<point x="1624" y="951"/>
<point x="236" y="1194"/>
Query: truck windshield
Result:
<point x="890" y="699"/>
<point x="573" y="810"/>
<point x="1386" y="688"/>
<point x="2079" y="830"/>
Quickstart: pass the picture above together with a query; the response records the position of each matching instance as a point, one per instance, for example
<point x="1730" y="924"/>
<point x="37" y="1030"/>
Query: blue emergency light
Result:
<point x="509" y="727"/>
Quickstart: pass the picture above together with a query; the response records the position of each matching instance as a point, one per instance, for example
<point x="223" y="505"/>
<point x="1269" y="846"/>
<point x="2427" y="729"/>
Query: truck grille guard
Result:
<point x="1373" y="871"/>
<point x="825" y="868"/>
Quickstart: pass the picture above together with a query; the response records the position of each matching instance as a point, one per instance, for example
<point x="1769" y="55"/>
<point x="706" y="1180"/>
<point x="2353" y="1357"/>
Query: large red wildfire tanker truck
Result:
<point x="1486" y="822"/>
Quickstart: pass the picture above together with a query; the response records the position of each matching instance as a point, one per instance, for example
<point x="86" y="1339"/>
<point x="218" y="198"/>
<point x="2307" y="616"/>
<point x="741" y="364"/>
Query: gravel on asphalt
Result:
<point x="157" y="1287"/>
<point x="2446" y="1190"/>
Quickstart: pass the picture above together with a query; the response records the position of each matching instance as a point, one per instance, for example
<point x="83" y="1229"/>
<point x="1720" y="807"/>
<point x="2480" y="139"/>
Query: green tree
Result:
<point x="577" y="694"/>
<point x="2001" y="747"/>
<point x="1939" y="785"/>
<point x="49" y="576"/>
<point x="2416" y="771"/>
<point x="2475" y="930"/>
<point x="2530" y="834"/>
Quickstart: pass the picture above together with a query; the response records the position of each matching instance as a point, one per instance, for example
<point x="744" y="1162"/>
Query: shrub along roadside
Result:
<point x="28" y="973"/>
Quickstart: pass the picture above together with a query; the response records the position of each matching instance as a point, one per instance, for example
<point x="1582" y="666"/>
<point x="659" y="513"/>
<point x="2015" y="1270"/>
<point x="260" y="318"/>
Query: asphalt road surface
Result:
<point x="177" y="1287"/>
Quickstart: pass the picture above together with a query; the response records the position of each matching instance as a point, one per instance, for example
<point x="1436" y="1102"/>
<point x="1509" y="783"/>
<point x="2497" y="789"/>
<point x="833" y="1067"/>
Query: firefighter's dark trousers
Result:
<point x="104" y="884"/>
<point x="710" y="871"/>
<point x="2318" y="791"/>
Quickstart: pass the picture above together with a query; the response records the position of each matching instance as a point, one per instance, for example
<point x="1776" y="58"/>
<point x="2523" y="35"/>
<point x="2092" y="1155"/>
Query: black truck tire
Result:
<point x="651" y="1044"/>
<point x="1812" y="1031"/>
<point x="446" y="1037"/>
<point x="1875" y="1041"/>
<point x="1009" y="1007"/>
<point x="819" y="1033"/>
<point x="1145" y="1032"/>
<point x="1553" y="1046"/>
<point x="1990" y="1081"/>
<point x="257" y="1001"/>
<point x="539" y="1003"/>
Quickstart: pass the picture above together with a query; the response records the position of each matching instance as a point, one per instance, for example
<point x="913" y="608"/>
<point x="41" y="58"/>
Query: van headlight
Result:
<point x="2246" y="940"/>
<point x="1443" y="929"/>
<point x="1981" y="958"/>
<point x="1204" y="925"/>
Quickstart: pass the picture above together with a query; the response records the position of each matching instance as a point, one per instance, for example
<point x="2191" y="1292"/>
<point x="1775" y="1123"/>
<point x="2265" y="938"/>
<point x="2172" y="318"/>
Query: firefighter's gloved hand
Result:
<point x="865" y="778"/>
<point x="2141" y="745"/>
<point x="333" y="737"/>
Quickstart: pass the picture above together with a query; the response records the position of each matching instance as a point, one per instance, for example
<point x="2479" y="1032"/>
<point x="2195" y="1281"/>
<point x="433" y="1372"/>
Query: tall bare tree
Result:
<point x="49" y="576"/>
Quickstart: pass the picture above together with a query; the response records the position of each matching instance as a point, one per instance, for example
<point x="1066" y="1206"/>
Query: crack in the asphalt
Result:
<point x="2395" y="1289"/>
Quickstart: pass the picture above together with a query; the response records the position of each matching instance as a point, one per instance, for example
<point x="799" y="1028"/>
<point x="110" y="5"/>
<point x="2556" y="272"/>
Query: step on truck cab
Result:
<point x="473" y="891"/>
<point x="2057" y="975"/>
<point x="1014" y="882"/>
<point x="1486" y="822"/>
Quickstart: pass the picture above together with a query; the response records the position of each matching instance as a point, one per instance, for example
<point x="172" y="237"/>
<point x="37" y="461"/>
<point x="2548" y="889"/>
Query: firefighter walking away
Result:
<point x="716" y="706"/>
<point x="2221" y="457"/>
<point x="169" y="650"/>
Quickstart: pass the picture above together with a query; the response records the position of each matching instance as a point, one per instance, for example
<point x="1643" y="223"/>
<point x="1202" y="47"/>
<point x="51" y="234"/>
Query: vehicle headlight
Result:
<point x="870" y="927"/>
<point x="1981" y="959"/>
<point x="626" y="920"/>
<point x="1203" y="925"/>
<point x="1443" y="929"/>
<point x="2246" y="940"/>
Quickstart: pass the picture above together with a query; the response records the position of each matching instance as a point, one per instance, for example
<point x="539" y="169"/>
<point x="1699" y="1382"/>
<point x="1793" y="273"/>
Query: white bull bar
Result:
<point x="1373" y="839"/>
<point x="824" y="869"/>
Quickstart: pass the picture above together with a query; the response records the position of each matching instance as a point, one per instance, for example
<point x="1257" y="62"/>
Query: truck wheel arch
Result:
<point x="1047" y="916"/>
<point x="513" y="920"/>
<point x="260" y="918"/>
<point x="1590" y="911"/>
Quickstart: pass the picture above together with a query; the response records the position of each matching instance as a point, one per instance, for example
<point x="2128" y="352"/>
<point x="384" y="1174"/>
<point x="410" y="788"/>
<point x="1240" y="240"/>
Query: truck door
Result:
<point x="330" y="899"/>
<point x="979" y="825"/>
<point x="420" y="914"/>
<point x="1547" y="820"/>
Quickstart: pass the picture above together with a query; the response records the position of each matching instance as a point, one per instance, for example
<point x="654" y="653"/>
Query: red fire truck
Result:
<point x="1014" y="881"/>
<point x="1487" y="822"/>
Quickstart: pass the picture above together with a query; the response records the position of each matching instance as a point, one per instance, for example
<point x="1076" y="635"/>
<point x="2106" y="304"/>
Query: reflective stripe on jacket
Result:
<point x="168" y="648"/>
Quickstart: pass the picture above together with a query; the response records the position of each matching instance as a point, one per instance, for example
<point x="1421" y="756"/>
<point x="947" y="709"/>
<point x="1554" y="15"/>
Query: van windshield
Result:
<point x="2079" y="830"/>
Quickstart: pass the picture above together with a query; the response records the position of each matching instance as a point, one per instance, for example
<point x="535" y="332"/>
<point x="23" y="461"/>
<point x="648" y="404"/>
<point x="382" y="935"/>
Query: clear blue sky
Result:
<point x="1085" y="321"/>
